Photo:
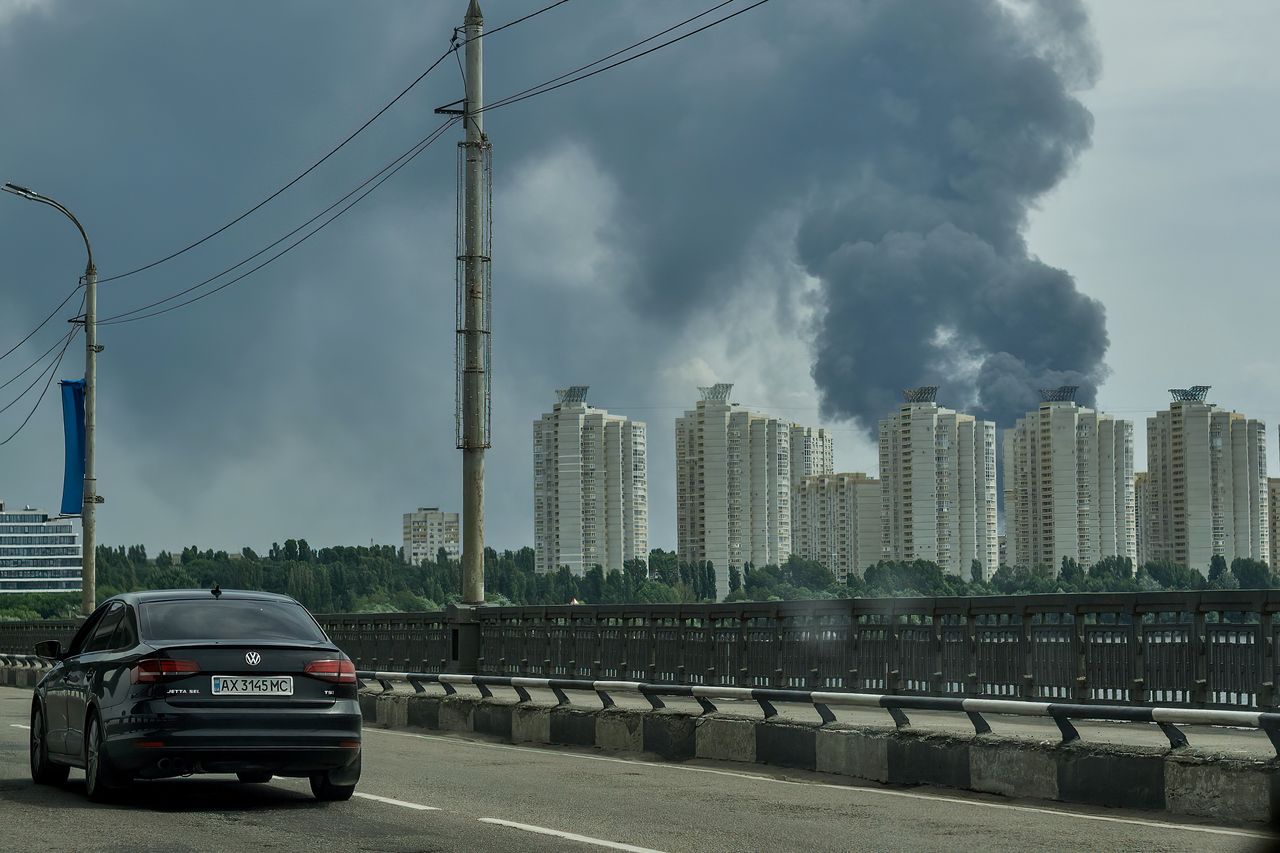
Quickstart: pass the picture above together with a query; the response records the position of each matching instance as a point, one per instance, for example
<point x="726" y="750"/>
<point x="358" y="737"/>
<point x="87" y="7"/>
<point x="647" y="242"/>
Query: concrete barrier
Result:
<point x="1180" y="781"/>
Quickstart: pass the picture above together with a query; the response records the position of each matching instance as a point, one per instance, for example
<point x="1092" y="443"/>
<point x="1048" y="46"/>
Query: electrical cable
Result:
<point x="546" y="87"/>
<point x="413" y="151"/>
<point x="32" y="333"/>
<point x="420" y="148"/>
<point x="40" y="399"/>
<point x="331" y="152"/>
<point x="41" y="358"/>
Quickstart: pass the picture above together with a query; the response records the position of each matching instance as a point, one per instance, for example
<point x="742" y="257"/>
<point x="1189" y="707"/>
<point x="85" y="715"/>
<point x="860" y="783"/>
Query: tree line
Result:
<point x="359" y="579"/>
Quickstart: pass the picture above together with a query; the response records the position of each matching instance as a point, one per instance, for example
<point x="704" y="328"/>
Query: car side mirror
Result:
<point x="51" y="649"/>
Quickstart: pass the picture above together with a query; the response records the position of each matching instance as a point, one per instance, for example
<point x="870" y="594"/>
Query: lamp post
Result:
<point x="88" y="569"/>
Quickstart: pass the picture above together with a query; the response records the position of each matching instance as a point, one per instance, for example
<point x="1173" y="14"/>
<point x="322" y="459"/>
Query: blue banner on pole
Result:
<point x="73" y="429"/>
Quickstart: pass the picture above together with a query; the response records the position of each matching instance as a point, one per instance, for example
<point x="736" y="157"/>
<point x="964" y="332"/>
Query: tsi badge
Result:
<point x="252" y="658"/>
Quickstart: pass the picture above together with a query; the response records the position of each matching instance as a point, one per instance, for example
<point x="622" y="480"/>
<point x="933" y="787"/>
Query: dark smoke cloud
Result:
<point x="965" y="116"/>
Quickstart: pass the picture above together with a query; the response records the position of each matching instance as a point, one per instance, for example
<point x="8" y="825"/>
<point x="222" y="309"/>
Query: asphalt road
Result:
<point x="425" y="792"/>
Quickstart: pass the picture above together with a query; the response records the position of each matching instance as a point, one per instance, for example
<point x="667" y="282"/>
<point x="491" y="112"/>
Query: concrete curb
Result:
<point x="1182" y="783"/>
<point x="1176" y="782"/>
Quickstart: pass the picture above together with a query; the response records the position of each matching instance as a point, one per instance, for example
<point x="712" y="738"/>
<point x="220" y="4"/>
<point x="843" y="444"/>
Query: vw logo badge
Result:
<point x="252" y="658"/>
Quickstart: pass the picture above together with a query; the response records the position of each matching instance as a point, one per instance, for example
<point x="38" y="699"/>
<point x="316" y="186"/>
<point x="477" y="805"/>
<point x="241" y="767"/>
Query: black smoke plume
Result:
<point x="963" y="116"/>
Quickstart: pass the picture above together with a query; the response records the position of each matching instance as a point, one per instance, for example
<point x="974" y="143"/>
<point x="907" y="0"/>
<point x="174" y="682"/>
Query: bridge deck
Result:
<point x="696" y="806"/>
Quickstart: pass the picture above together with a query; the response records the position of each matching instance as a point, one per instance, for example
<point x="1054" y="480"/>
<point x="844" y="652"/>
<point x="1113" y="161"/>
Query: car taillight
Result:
<point x="340" y="671"/>
<point x="160" y="669"/>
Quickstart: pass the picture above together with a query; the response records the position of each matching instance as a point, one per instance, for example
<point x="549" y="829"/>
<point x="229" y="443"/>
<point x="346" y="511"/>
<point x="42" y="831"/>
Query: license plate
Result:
<point x="230" y="685"/>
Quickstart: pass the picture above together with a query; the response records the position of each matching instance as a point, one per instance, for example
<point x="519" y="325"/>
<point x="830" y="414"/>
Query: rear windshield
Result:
<point x="213" y="619"/>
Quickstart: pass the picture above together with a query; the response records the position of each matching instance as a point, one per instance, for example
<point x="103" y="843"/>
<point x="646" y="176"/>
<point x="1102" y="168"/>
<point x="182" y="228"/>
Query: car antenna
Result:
<point x="217" y="590"/>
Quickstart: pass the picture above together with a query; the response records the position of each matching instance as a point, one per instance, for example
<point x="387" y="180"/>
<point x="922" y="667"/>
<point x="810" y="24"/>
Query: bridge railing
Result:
<point x="1201" y="649"/>
<point x="1062" y="713"/>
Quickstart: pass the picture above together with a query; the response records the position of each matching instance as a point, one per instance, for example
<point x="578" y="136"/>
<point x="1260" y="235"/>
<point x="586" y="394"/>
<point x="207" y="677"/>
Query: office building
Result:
<point x="836" y="521"/>
<point x="733" y="486"/>
<point x="38" y="553"/>
<point x="938" y="485"/>
<point x="1207" y="489"/>
<point x="1069" y="485"/>
<point x="426" y="531"/>
<point x="590" y="487"/>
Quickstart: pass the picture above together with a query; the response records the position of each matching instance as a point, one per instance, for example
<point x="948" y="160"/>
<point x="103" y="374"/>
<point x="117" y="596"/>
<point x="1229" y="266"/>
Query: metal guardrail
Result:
<point x="1171" y="649"/>
<point x="1168" y="719"/>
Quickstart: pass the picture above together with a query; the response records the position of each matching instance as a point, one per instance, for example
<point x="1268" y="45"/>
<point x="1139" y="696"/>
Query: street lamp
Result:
<point x="88" y="571"/>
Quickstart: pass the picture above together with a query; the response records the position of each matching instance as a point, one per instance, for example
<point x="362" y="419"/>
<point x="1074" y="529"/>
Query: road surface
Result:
<point x="427" y="792"/>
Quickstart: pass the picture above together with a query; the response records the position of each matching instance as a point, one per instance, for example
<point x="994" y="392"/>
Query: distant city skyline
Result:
<point x="328" y="411"/>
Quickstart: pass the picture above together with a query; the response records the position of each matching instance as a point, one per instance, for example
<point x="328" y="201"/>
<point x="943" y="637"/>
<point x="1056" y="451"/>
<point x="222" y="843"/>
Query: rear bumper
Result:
<point x="151" y="741"/>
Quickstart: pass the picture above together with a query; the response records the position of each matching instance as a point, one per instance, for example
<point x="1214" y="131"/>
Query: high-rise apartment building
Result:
<point x="836" y="521"/>
<point x="733" y="486"/>
<point x="1274" y="523"/>
<point x="38" y="553"/>
<point x="938" y="485"/>
<point x="1207" y="483"/>
<point x="590" y="487"/>
<point x="1068" y="480"/>
<point x="426" y="530"/>
<point x="1141" y="487"/>
<point x="812" y="452"/>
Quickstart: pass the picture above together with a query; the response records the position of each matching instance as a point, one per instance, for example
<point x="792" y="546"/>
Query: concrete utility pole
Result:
<point x="88" y="565"/>
<point x="474" y="298"/>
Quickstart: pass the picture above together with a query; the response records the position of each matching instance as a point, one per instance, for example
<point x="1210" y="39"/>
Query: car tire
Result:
<point x="101" y="783"/>
<point x="255" y="777"/>
<point x="43" y="771"/>
<point x="325" y="789"/>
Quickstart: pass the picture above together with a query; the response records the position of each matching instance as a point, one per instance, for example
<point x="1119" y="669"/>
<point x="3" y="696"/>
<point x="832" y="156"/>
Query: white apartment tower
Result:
<point x="1207" y="476"/>
<point x="733" y="486"/>
<point x="1141" y="488"/>
<point x="590" y="487"/>
<point x="938" y="485"/>
<point x="836" y="521"/>
<point x="1273" y="516"/>
<point x="1069" y="485"/>
<point x="812" y="452"/>
<point x="426" y="531"/>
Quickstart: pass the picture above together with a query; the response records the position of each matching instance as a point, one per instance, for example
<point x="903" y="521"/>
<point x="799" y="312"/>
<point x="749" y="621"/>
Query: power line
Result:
<point x="32" y="333"/>
<point x="413" y="151"/>
<point x="319" y="162"/>
<point x="546" y="87"/>
<point x="420" y="148"/>
<point x="41" y="358"/>
<point x="44" y="391"/>
<point x="64" y="340"/>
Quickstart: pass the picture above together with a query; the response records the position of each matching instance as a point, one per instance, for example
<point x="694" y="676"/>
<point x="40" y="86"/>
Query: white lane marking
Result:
<point x="888" y="792"/>
<point x="19" y="726"/>
<point x="401" y="803"/>
<point x="585" y="839"/>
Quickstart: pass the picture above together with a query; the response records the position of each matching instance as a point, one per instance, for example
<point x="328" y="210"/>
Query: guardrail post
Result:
<point x="1081" y="686"/>
<point x="1137" y="657"/>
<point x="1267" y="689"/>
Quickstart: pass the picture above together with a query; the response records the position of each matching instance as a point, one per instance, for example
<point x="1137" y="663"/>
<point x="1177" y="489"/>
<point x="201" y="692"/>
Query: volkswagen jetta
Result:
<point x="162" y="684"/>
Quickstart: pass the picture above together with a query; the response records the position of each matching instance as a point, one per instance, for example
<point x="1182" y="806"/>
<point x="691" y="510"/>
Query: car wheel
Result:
<point x="100" y="782"/>
<point x="43" y="771"/>
<point x="324" y="788"/>
<point x="254" y="776"/>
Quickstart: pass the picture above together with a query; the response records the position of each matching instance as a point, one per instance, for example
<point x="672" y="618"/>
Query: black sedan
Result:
<point x="161" y="684"/>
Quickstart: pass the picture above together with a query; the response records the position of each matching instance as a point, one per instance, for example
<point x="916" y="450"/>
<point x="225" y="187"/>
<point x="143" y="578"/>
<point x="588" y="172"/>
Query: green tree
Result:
<point x="735" y="579"/>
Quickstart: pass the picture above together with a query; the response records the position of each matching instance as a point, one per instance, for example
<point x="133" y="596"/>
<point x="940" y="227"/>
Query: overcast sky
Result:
<point x="820" y="202"/>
